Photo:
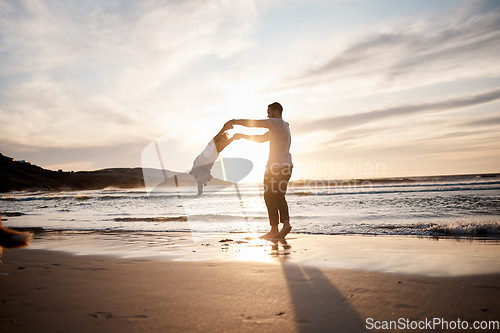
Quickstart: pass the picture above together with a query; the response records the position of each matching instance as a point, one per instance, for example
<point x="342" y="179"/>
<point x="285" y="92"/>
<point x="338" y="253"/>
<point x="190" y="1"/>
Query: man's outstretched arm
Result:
<point x="255" y="138"/>
<point x="247" y="123"/>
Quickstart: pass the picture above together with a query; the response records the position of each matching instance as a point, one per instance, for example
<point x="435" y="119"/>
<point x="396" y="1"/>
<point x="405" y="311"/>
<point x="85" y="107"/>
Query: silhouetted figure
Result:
<point x="205" y="160"/>
<point x="279" y="165"/>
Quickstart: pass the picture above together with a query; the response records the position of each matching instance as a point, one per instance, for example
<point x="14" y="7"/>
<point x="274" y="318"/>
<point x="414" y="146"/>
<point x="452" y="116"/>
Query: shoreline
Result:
<point x="55" y="291"/>
<point x="415" y="255"/>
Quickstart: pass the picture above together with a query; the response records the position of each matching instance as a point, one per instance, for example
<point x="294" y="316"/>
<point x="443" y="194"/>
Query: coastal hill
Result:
<point x="22" y="175"/>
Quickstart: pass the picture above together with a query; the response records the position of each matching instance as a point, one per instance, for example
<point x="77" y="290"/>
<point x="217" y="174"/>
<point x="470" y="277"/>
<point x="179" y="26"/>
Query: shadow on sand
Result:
<point x="318" y="305"/>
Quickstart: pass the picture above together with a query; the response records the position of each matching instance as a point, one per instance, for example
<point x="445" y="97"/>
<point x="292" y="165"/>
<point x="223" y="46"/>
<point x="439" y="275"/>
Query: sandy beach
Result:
<point x="216" y="291"/>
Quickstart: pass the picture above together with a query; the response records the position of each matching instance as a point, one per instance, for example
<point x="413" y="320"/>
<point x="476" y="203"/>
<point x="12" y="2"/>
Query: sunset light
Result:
<point x="249" y="165"/>
<point x="413" y="85"/>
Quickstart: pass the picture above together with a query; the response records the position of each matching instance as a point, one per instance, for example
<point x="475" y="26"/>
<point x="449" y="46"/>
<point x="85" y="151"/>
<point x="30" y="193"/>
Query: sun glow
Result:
<point x="244" y="100"/>
<point x="255" y="250"/>
<point x="257" y="153"/>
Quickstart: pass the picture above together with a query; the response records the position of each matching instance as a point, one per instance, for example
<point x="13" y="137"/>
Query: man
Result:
<point x="279" y="165"/>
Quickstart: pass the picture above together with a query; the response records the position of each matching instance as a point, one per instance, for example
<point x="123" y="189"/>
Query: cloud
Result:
<point x="44" y="111"/>
<point x="97" y="73"/>
<point x="346" y="121"/>
<point x="484" y="122"/>
<point x="421" y="50"/>
<point x="130" y="33"/>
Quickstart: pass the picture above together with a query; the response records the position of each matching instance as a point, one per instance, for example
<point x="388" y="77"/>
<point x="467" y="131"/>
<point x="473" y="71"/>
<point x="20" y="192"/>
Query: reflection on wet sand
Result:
<point x="409" y="255"/>
<point x="284" y="250"/>
<point x="257" y="249"/>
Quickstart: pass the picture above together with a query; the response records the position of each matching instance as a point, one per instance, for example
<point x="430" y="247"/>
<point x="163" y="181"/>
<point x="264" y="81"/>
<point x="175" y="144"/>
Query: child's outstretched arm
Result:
<point x="220" y="134"/>
<point x="222" y="143"/>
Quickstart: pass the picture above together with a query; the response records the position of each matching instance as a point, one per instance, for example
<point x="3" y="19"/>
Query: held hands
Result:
<point x="228" y="125"/>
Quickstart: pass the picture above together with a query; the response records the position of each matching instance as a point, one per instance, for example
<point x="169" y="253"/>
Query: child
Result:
<point x="204" y="162"/>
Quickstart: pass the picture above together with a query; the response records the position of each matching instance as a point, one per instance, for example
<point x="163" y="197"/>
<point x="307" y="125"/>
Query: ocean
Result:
<point x="449" y="206"/>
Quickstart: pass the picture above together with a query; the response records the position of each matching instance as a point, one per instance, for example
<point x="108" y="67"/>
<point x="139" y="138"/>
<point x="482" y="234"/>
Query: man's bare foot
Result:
<point x="271" y="234"/>
<point x="281" y="235"/>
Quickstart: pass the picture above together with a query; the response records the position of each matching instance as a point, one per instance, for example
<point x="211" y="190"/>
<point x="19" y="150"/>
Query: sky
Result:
<point x="370" y="88"/>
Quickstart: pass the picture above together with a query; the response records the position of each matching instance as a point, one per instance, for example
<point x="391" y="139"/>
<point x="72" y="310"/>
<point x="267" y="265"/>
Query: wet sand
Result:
<point x="54" y="291"/>
<point x="392" y="254"/>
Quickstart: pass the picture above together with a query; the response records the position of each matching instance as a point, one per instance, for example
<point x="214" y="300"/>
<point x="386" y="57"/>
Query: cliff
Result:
<point x="21" y="175"/>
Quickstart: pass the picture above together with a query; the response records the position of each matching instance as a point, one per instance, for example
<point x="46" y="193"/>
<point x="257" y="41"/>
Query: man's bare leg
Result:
<point x="271" y="234"/>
